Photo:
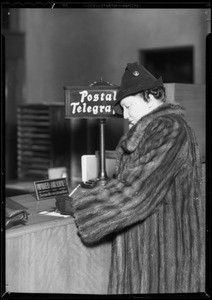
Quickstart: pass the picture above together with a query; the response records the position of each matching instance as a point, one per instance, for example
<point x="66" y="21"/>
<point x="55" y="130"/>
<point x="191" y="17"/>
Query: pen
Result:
<point x="74" y="190"/>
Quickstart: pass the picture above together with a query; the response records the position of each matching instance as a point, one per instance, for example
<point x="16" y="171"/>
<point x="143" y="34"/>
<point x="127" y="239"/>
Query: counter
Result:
<point x="47" y="256"/>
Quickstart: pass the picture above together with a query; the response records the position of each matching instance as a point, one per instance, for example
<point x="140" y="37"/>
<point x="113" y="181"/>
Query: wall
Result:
<point x="79" y="46"/>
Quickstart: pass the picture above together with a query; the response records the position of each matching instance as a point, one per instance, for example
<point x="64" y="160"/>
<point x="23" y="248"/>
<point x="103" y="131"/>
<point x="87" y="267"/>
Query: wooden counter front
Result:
<point x="47" y="255"/>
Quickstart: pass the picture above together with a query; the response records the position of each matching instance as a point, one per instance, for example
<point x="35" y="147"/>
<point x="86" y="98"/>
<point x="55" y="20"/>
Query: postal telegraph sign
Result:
<point x="94" y="101"/>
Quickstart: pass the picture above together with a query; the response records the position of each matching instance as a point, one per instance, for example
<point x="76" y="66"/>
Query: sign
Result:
<point x="49" y="188"/>
<point x="90" y="102"/>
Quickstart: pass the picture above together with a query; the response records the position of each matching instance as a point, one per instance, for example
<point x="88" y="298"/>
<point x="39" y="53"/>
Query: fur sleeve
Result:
<point x="140" y="186"/>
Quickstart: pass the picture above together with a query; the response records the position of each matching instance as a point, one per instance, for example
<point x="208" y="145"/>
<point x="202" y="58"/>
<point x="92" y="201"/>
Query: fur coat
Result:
<point x="152" y="210"/>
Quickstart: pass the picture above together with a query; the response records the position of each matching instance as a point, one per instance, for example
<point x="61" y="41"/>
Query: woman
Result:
<point x="152" y="210"/>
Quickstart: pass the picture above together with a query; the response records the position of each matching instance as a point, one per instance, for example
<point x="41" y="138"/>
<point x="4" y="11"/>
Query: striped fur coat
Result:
<point x="153" y="210"/>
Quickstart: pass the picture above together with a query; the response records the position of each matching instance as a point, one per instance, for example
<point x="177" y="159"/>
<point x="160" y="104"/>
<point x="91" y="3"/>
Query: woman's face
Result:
<point x="134" y="108"/>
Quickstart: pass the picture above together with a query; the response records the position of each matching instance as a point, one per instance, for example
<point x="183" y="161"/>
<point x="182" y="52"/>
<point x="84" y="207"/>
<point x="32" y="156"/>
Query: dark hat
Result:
<point x="135" y="79"/>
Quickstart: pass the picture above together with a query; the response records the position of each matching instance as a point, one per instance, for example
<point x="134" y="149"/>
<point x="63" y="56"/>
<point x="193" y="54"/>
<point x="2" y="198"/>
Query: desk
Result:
<point x="47" y="255"/>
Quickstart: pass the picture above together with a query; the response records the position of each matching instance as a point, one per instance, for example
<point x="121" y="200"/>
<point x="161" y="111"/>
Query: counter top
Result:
<point x="36" y="221"/>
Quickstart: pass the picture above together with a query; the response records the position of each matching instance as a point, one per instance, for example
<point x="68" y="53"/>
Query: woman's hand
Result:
<point x="64" y="204"/>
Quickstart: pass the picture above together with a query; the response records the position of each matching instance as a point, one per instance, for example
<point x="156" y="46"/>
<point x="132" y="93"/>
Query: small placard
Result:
<point x="49" y="188"/>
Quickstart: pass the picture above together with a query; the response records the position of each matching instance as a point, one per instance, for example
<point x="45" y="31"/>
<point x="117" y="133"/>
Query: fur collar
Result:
<point x="131" y="139"/>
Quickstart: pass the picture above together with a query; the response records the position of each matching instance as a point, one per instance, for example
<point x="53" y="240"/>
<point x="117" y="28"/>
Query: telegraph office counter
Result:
<point x="47" y="256"/>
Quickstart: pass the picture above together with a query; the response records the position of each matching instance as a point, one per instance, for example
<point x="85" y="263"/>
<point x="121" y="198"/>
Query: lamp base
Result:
<point x="92" y="183"/>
